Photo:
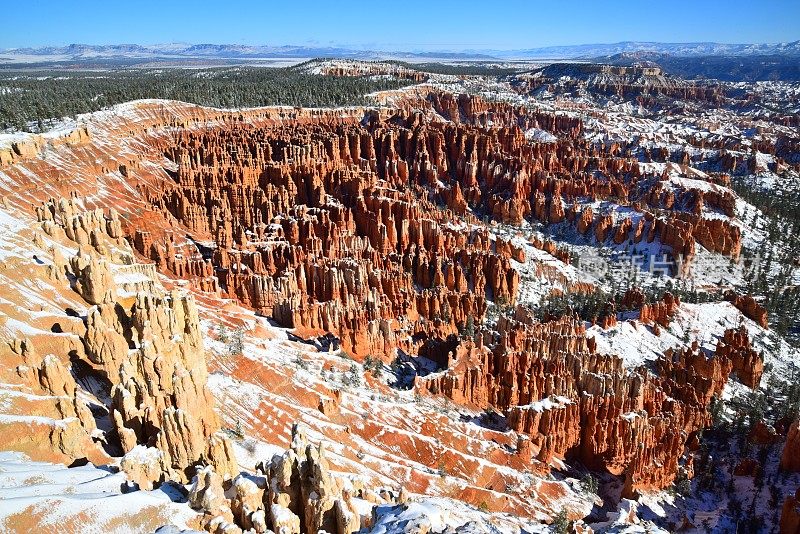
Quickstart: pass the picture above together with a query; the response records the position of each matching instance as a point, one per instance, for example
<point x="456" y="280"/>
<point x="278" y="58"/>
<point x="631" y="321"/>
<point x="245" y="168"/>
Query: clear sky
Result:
<point x="397" y="24"/>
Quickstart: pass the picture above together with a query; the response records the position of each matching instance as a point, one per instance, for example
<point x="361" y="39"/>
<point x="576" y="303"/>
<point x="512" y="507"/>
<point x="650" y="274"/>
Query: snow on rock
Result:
<point x="540" y="136"/>
<point x="443" y="515"/>
<point x="706" y="322"/>
<point x="625" y="520"/>
<point x="143" y="465"/>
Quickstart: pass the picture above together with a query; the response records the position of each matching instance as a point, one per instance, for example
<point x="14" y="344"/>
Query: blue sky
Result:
<point x="399" y="24"/>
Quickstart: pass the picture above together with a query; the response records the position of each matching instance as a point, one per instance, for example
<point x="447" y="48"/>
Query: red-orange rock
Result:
<point x="660" y="312"/>
<point x="790" y="515"/>
<point x="750" y="308"/>
<point x="790" y="459"/>
<point x="747" y="468"/>
<point x="602" y="228"/>
<point x="747" y="363"/>
<point x="585" y="221"/>
<point x="622" y="231"/>
<point x="763" y="434"/>
<point x="551" y="384"/>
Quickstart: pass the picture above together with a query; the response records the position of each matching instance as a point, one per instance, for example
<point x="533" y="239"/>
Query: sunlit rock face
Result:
<point x="136" y="345"/>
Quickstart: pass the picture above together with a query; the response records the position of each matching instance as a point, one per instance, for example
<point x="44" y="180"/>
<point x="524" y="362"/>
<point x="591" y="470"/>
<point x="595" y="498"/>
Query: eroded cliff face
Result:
<point x="574" y="403"/>
<point x="120" y="352"/>
<point x="790" y="459"/>
<point x="644" y="84"/>
<point x="329" y="229"/>
<point x="365" y="228"/>
<point x="790" y="515"/>
<point x="123" y="362"/>
<point x="370" y="231"/>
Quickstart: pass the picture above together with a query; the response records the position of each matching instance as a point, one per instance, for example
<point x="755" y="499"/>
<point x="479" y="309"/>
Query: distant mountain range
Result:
<point x="587" y="51"/>
<point x="78" y="52"/>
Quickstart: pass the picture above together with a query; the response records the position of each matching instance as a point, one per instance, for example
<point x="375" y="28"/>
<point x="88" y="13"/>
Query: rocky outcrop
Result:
<point x="361" y="223"/>
<point x="32" y="145"/>
<point x="659" y="312"/>
<point x="144" y="466"/>
<point x="790" y="459"/>
<point x="645" y="85"/>
<point x="302" y="487"/>
<point x="584" y="222"/>
<point x="310" y="218"/>
<point x="747" y="363"/>
<point x="718" y="235"/>
<point x="750" y="308"/>
<point x="573" y="403"/>
<point x="317" y="221"/>
<point x="553" y="424"/>
<point x="247" y="504"/>
<point x="207" y="493"/>
<point x="139" y="341"/>
<point x="790" y="515"/>
<point x="63" y="430"/>
<point x="294" y="492"/>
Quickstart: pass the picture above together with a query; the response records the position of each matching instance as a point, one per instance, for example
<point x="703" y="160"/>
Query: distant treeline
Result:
<point x="35" y="97"/>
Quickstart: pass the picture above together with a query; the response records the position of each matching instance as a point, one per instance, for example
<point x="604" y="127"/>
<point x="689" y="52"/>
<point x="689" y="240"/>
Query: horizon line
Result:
<point x="382" y="47"/>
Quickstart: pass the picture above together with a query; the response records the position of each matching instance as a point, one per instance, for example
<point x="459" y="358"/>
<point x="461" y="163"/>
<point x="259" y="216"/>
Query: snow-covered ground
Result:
<point x="44" y="497"/>
<point x="706" y="323"/>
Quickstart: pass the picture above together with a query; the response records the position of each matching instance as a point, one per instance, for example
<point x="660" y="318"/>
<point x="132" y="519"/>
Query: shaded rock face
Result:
<point x="68" y="436"/>
<point x="140" y="344"/>
<point x="790" y="515"/>
<point x="747" y="363"/>
<point x="301" y="486"/>
<point x="574" y="403"/>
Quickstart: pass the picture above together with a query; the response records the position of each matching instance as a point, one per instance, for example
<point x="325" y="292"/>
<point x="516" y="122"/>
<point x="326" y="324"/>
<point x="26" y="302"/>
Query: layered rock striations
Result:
<point x="317" y="229"/>
<point x="645" y="84"/>
<point x="348" y="227"/>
